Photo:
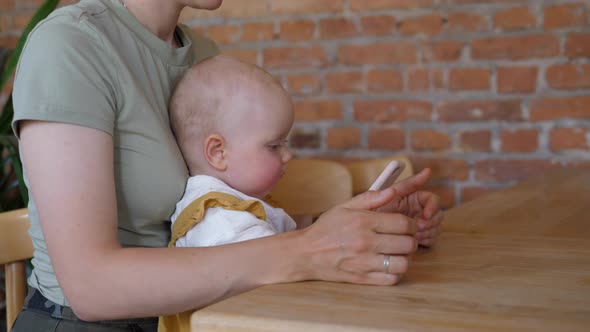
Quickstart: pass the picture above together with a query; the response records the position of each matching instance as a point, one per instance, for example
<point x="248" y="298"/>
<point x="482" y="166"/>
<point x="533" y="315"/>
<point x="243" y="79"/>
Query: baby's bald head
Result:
<point x="211" y="98"/>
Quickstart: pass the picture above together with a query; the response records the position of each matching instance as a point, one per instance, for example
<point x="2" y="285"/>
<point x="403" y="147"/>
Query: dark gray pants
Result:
<point x="40" y="314"/>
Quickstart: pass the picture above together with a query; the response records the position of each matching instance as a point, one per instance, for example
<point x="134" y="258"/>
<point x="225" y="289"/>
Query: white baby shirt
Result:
<point x="219" y="225"/>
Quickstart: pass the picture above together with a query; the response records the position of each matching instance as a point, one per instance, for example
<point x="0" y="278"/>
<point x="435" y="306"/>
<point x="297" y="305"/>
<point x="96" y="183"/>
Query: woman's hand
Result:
<point x="351" y="243"/>
<point x="423" y="206"/>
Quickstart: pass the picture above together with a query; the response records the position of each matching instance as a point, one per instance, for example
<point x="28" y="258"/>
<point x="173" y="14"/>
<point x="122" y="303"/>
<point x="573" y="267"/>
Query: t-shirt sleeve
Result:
<point x="63" y="76"/>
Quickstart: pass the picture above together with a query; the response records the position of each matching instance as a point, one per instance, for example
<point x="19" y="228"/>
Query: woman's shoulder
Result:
<point x="81" y="23"/>
<point x="71" y="15"/>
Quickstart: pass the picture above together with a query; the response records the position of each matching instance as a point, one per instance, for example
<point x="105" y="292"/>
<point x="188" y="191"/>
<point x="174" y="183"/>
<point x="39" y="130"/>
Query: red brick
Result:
<point x="480" y="110"/>
<point x="20" y="21"/>
<point x="515" y="48"/>
<point x="419" y="79"/>
<point x="471" y="193"/>
<point x="565" y="16"/>
<point x="305" y="138"/>
<point x="291" y="57"/>
<point x="224" y="34"/>
<point x="390" y="53"/>
<point x="8" y="42"/>
<point x="514" y="19"/>
<point x="200" y="30"/>
<point x="443" y="168"/>
<point x="485" y="2"/>
<point x="467" y="22"/>
<point x="334" y="28"/>
<point x="30" y="3"/>
<point x="229" y="9"/>
<point x="445" y="51"/>
<point x="258" y="31"/>
<point x="6" y="89"/>
<point x="427" y="24"/>
<point x="578" y="45"/>
<point x="446" y="194"/>
<point x="7" y="5"/>
<point x="516" y="79"/>
<point x="583" y="164"/>
<point x="315" y="110"/>
<point x="304" y="6"/>
<point x="346" y="82"/>
<point x="389" y="4"/>
<point x="438" y="79"/>
<point x="343" y="138"/>
<point x="3" y="24"/>
<point x="304" y="84"/>
<point x="469" y="79"/>
<point x="249" y="56"/>
<point x="429" y="140"/>
<point x="568" y="139"/>
<point x="493" y="170"/>
<point x="568" y="76"/>
<point x="387" y="111"/>
<point x="382" y="25"/>
<point x="520" y="140"/>
<point x="552" y="108"/>
<point x="297" y="30"/>
<point x="476" y="141"/>
<point x="384" y="80"/>
<point x="387" y="139"/>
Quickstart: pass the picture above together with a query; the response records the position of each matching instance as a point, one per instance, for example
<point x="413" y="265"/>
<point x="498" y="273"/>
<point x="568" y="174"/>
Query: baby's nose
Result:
<point x="286" y="154"/>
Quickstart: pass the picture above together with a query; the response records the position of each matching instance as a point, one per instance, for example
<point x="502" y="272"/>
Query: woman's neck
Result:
<point x="160" y="17"/>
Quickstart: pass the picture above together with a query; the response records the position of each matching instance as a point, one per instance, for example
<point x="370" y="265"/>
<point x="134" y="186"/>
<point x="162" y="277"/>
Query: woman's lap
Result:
<point x="40" y="314"/>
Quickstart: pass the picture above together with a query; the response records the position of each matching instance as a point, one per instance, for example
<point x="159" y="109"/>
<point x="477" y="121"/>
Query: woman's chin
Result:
<point x="206" y="4"/>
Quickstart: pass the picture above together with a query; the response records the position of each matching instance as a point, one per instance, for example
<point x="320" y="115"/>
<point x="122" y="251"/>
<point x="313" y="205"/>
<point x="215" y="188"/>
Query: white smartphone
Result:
<point x="387" y="178"/>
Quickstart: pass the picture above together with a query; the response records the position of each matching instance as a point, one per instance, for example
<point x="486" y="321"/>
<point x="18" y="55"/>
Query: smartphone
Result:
<point x="387" y="178"/>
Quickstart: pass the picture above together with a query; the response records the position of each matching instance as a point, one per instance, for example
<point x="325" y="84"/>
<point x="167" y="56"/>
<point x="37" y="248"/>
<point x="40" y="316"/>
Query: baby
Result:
<point x="231" y="122"/>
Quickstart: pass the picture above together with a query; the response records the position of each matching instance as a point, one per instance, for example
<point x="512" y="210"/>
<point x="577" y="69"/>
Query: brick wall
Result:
<point x="486" y="93"/>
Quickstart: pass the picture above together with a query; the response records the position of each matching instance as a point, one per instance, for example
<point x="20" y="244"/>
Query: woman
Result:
<point x="104" y="172"/>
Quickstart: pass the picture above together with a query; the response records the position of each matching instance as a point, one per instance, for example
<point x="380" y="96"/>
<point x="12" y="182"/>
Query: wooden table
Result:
<point x="518" y="259"/>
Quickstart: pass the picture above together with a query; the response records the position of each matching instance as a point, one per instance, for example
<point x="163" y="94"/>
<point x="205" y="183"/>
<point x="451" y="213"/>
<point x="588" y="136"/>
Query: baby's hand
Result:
<point x="429" y="229"/>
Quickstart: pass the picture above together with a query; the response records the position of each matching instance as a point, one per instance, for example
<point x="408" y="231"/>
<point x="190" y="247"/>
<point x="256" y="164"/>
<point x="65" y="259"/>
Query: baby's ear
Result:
<point x="214" y="150"/>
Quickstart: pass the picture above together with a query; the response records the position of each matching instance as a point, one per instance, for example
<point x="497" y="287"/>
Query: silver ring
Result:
<point x="386" y="263"/>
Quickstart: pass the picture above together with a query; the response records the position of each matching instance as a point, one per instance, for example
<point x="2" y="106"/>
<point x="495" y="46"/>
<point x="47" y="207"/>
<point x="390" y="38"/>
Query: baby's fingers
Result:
<point x="428" y="238"/>
<point x="433" y="222"/>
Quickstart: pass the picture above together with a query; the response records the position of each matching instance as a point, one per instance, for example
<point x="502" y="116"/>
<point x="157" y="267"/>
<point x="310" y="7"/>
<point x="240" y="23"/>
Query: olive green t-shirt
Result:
<point x="94" y="64"/>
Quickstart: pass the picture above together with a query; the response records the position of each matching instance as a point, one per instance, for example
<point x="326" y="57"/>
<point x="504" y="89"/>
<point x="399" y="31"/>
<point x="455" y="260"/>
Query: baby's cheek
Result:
<point x="271" y="176"/>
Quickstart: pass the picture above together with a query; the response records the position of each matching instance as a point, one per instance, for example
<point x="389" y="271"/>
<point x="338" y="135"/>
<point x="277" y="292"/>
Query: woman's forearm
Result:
<point x="141" y="282"/>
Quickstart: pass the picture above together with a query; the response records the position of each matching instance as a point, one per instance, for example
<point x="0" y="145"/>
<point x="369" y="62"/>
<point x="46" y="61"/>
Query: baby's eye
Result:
<point x="277" y="146"/>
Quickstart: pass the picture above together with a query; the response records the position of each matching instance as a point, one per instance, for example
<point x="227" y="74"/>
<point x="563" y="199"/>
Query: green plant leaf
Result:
<point x="8" y="141"/>
<point x="11" y="145"/>
<point x="44" y="10"/>
<point x="6" y="117"/>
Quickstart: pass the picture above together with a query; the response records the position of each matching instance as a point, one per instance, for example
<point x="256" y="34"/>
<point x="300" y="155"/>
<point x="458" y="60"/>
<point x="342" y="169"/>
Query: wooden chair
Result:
<point x="311" y="187"/>
<point x="365" y="172"/>
<point x="15" y="249"/>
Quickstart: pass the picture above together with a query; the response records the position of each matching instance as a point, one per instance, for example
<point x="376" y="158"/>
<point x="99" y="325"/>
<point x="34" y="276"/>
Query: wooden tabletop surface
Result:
<point x="556" y="204"/>
<point x="518" y="259"/>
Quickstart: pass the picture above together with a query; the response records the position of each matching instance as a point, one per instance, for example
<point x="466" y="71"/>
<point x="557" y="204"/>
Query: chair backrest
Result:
<point x="365" y="172"/>
<point x="311" y="187"/>
<point x="15" y="249"/>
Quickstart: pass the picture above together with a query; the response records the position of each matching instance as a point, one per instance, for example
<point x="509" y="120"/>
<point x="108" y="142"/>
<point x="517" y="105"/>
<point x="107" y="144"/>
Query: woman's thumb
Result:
<point x="371" y="200"/>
